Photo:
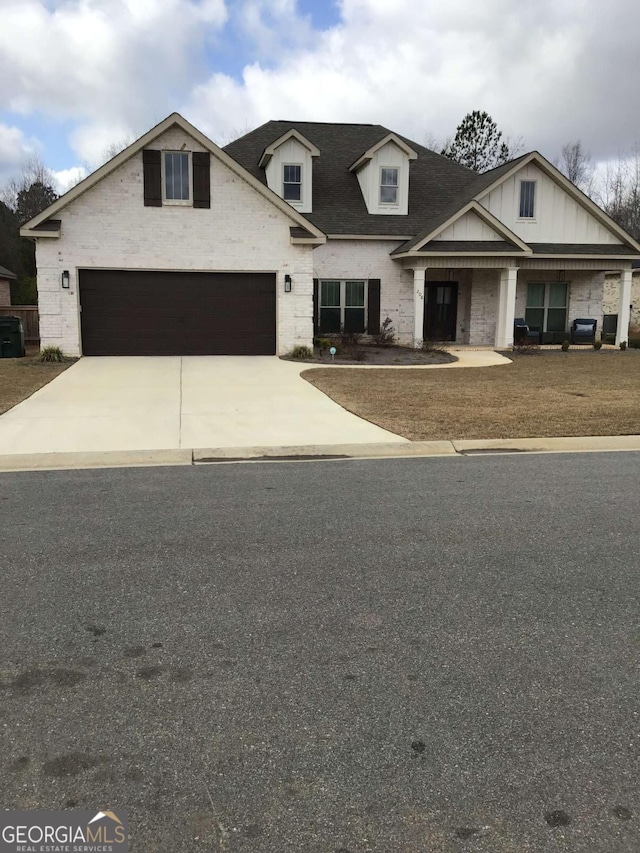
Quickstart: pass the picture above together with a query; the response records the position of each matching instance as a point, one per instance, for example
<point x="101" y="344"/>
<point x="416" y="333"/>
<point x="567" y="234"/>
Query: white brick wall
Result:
<point x="109" y="227"/>
<point x="612" y="295"/>
<point x="370" y="259"/>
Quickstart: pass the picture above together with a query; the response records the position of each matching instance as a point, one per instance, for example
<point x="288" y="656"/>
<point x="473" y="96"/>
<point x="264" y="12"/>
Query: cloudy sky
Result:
<point x="77" y="75"/>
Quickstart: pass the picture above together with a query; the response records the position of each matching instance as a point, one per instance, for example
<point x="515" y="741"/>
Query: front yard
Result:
<point x="541" y="394"/>
<point x="21" y="377"/>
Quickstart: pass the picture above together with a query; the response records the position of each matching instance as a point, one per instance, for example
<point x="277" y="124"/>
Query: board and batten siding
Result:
<point x="108" y="227"/>
<point x="292" y="153"/>
<point x="558" y="217"/>
<point x="469" y="227"/>
<point x="389" y="156"/>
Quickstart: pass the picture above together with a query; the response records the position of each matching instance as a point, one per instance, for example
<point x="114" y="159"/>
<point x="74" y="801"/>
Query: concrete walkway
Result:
<point x="128" y="404"/>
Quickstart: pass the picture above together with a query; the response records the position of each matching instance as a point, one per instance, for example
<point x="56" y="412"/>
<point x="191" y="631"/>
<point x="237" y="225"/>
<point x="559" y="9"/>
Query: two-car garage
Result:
<point x="140" y="312"/>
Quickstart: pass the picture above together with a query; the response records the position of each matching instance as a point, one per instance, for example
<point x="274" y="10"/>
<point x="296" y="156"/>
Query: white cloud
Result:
<point x="119" y="64"/>
<point x="551" y="71"/>
<point x="15" y="148"/>
<point x="67" y="178"/>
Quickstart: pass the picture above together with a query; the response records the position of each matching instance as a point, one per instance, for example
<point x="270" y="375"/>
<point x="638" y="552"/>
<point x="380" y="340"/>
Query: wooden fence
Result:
<point x="29" y="316"/>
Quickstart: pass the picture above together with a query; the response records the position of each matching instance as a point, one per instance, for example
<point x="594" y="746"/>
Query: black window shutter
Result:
<point x="316" y="309"/>
<point x="373" y="313"/>
<point x="152" y="170"/>
<point x="201" y="179"/>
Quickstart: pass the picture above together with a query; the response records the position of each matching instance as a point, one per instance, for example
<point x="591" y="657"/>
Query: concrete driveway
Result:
<point x="180" y="402"/>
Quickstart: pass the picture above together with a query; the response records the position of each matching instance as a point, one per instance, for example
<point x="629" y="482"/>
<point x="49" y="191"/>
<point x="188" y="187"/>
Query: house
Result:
<point x="6" y="277"/>
<point x="176" y="246"/>
<point x="612" y="291"/>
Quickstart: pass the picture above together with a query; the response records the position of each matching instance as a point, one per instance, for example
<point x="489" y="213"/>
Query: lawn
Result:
<point x="540" y="394"/>
<point x="20" y="377"/>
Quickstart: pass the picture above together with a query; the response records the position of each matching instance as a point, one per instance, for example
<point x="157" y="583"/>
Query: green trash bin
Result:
<point x="11" y="337"/>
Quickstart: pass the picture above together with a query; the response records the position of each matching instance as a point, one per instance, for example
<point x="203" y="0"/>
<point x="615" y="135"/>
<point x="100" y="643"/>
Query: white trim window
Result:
<point x="527" y="199"/>
<point x="389" y="185"/>
<point x="343" y="306"/>
<point x="547" y="306"/>
<point x="176" y="177"/>
<point x="292" y="182"/>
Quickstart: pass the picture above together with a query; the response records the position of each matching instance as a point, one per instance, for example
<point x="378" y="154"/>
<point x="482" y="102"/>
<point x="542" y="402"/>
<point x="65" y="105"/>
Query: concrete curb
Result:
<point x="314" y="452"/>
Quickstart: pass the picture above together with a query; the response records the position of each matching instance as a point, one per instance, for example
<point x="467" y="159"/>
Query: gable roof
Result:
<point x="5" y="273"/>
<point x="390" y="137"/>
<point x="270" y="150"/>
<point x="338" y="205"/>
<point x="29" y="229"/>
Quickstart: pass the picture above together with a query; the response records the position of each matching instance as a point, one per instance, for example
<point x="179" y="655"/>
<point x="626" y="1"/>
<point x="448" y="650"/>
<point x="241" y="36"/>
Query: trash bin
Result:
<point x="11" y="337"/>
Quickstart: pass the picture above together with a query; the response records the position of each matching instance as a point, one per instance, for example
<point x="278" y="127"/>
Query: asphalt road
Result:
<point x="389" y="656"/>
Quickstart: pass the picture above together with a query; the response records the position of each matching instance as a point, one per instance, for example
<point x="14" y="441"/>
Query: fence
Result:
<point x="30" y="320"/>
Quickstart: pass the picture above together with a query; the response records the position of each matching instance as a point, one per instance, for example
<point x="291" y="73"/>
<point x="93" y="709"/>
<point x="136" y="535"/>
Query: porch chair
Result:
<point x="525" y="334"/>
<point x="583" y="331"/>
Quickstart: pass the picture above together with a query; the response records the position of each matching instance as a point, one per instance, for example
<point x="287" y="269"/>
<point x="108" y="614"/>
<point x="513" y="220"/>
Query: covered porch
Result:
<point x="475" y="301"/>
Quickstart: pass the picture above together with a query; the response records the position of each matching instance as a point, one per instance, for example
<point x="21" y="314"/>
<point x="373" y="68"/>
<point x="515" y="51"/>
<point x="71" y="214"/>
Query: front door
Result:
<point x="440" y="310"/>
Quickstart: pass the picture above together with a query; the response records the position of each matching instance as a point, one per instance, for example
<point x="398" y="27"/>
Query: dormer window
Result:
<point x="389" y="186"/>
<point x="527" y="199"/>
<point x="292" y="182"/>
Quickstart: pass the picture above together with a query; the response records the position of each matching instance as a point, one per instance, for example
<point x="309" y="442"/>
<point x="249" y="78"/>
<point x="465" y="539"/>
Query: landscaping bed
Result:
<point x="548" y="393"/>
<point x="373" y="354"/>
<point x="21" y="377"/>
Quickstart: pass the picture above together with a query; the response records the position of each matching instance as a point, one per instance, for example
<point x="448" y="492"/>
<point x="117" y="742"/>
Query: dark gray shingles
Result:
<point x="477" y="246"/>
<point x="580" y="249"/>
<point x="5" y="273"/>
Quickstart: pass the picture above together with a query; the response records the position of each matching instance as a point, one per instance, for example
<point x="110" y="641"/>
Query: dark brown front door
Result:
<point x="126" y="312"/>
<point x="440" y="310"/>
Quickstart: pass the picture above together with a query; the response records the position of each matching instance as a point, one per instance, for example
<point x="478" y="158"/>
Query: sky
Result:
<point x="79" y="75"/>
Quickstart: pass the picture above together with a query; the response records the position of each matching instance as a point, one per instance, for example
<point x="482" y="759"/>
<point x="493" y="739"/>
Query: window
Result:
<point x="389" y="186"/>
<point x="292" y="183"/>
<point x="527" y="199"/>
<point x="342" y="306"/>
<point x="547" y="306"/>
<point x="177" y="176"/>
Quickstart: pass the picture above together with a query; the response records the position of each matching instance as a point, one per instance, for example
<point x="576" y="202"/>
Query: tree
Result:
<point x="33" y="171"/>
<point x="576" y="164"/>
<point x="478" y="144"/>
<point x="33" y="200"/>
<point x="619" y="194"/>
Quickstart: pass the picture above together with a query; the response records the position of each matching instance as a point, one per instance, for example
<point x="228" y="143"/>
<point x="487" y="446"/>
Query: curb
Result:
<point x="11" y="463"/>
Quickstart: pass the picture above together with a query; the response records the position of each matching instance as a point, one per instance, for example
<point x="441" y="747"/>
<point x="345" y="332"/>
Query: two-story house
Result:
<point x="176" y="246"/>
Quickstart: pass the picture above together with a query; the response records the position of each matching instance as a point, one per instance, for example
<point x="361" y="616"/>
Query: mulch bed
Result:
<point x="365" y="354"/>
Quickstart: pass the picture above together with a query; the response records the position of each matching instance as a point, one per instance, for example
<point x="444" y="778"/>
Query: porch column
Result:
<point x="419" y="277"/>
<point x="624" y="306"/>
<point x="506" y="308"/>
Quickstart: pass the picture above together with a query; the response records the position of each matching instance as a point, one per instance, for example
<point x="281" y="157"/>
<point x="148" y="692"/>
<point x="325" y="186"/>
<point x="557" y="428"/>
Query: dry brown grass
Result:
<point x="20" y="377"/>
<point x="543" y="394"/>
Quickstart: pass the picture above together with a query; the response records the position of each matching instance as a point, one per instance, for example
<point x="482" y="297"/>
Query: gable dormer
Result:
<point x="383" y="174"/>
<point x="288" y="165"/>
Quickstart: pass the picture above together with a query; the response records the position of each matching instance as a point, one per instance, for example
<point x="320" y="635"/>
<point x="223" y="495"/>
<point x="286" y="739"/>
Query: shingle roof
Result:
<point x="338" y="206"/>
<point x="580" y="249"/>
<point x="477" y="246"/>
<point x="5" y="273"/>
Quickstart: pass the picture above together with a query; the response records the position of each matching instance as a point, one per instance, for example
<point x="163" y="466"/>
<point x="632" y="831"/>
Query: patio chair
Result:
<point x="583" y="331"/>
<point x="525" y="334"/>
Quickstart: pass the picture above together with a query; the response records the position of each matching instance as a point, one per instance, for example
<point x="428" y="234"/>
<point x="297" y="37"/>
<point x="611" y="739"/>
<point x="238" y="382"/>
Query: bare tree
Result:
<point x="33" y="172"/>
<point x="619" y="193"/>
<point x="114" y="148"/>
<point x="575" y="162"/>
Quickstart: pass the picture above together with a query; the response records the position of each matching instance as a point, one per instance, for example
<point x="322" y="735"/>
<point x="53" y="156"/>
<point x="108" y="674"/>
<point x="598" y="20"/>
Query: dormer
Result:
<point x="288" y="165"/>
<point x="383" y="174"/>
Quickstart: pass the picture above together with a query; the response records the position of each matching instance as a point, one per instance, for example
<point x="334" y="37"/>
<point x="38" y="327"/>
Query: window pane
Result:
<point x="558" y="295"/>
<point x="527" y="193"/>
<point x="556" y="320"/>
<point x="534" y="317"/>
<point x="292" y="192"/>
<point x="329" y="320"/>
<point x="330" y="294"/>
<point x="389" y="195"/>
<point x="355" y="294"/>
<point x="535" y="295"/>
<point x="184" y="169"/>
<point x="354" y="319"/>
<point x="389" y="178"/>
<point x="292" y="174"/>
<point x="176" y="176"/>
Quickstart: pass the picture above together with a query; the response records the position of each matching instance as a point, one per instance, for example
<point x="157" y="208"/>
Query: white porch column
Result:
<point x="419" y="277"/>
<point x="624" y="306"/>
<point x="506" y="308"/>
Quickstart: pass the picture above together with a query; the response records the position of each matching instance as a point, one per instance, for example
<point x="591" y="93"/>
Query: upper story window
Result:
<point x="292" y="182"/>
<point x="527" y="199"/>
<point x="389" y="186"/>
<point x="176" y="185"/>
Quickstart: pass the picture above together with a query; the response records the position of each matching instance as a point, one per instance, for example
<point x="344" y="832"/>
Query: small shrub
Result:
<point x="301" y="352"/>
<point x="51" y="354"/>
<point x="350" y="339"/>
<point x="564" y="346"/>
<point x="623" y="345"/>
<point x="322" y="344"/>
<point x="386" y="337"/>
<point x="432" y="346"/>
<point x="359" y="354"/>
<point x="597" y="345"/>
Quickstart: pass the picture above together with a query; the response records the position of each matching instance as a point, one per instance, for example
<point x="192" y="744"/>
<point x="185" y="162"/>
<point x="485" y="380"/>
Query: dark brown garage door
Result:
<point x="127" y="312"/>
